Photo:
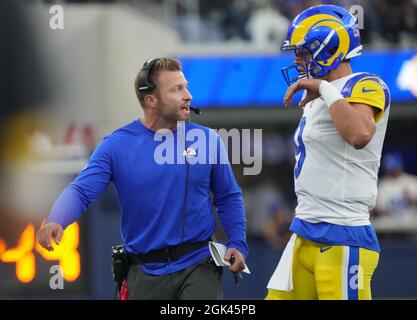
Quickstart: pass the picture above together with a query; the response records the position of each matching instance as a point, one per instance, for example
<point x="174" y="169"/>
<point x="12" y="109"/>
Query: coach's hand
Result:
<point x="239" y="262"/>
<point x="47" y="232"/>
<point x="312" y="87"/>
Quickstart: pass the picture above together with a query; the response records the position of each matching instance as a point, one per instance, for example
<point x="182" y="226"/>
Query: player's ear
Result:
<point x="150" y="100"/>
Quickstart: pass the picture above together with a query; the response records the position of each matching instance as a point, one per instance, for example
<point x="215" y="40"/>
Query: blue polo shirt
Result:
<point x="148" y="171"/>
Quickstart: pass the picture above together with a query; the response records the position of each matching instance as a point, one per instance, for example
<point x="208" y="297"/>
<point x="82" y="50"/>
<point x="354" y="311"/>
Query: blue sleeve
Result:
<point x="89" y="184"/>
<point x="228" y="200"/>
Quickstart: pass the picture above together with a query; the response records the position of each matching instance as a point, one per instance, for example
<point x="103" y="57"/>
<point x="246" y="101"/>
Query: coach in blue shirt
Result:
<point x="167" y="217"/>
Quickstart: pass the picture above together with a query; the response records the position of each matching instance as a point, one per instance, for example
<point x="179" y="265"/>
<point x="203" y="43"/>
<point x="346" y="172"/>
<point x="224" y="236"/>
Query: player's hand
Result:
<point x="48" y="232"/>
<point x="312" y="87"/>
<point x="239" y="261"/>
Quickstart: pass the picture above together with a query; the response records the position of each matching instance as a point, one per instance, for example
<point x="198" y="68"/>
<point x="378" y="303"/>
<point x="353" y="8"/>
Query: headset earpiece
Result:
<point x="145" y="83"/>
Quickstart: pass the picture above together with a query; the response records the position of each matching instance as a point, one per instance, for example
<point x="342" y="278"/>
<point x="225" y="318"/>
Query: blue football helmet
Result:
<point x="328" y="35"/>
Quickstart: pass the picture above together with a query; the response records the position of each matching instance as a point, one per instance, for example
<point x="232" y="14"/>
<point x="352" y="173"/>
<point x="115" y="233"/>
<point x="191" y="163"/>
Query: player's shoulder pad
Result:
<point x="367" y="88"/>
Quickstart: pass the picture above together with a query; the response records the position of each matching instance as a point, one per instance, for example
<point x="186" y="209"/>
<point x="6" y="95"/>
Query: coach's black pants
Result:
<point x="201" y="281"/>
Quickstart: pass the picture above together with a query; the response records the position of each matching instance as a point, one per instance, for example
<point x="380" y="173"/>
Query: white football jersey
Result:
<point x="334" y="182"/>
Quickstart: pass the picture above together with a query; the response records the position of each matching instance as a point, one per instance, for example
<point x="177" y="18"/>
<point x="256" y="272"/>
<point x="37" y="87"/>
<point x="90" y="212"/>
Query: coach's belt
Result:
<point x="166" y="254"/>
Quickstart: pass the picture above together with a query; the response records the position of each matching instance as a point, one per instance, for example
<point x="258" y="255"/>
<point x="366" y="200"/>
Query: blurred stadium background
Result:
<point x="63" y="90"/>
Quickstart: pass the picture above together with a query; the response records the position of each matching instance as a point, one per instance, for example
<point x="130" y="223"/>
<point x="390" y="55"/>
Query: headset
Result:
<point x="145" y="82"/>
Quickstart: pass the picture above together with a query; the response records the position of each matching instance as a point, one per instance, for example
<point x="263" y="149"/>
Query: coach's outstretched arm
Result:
<point x="78" y="196"/>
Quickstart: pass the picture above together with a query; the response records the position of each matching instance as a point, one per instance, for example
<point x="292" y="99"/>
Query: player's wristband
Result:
<point x="329" y="93"/>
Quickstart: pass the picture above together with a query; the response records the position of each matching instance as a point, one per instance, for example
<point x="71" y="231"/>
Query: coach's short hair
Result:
<point x="162" y="64"/>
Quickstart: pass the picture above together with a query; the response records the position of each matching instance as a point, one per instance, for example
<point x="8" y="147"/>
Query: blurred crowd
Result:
<point x="386" y="23"/>
<point x="396" y="206"/>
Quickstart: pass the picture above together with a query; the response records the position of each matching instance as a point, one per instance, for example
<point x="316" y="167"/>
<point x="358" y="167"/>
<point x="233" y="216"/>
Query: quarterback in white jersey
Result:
<point x="334" y="249"/>
<point x="335" y="182"/>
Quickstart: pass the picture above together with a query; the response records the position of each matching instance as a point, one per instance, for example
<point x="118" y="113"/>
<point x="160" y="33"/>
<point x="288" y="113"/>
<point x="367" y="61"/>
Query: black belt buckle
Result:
<point x="171" y="254"/>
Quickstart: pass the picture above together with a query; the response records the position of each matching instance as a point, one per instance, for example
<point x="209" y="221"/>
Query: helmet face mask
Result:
<point x="325" y="35"/>
<point x="298" y="71"/>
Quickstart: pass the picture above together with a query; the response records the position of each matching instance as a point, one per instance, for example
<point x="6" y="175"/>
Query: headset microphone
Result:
<point x="195" y="110"/>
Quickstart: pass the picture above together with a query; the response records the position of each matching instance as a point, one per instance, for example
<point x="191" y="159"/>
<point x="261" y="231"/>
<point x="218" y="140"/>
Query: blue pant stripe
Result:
<point x="353" y="273"/>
